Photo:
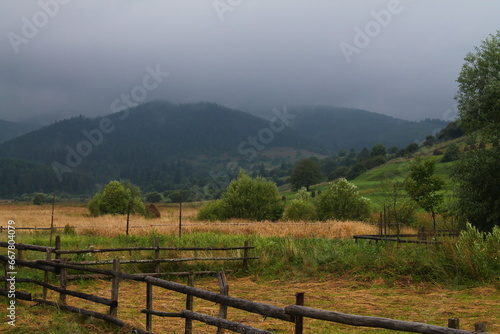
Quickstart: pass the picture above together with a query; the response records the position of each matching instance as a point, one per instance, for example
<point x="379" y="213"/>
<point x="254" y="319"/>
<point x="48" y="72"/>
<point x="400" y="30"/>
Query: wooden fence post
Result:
<point x="48" y="257"/>
<point x="224" y="290"/>
<point x="157" y="254"/>
<point x="115" y="284"/>
<point x="20" y="254"/>
<point x="63" y="282"/>
<point x="58" y="246"/>
<point x="299" y="320"/>
<point x="454" y="323"/>
<point x="481" y="327"/>
<point x="381" y="231"/>
<point x="149" y="306"/>
<point x="189" y="305"/>
<point x="245" y="254"/>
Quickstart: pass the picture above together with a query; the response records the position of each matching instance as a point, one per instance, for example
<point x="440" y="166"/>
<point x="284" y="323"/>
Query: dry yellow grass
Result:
<point x="108" y="225"/>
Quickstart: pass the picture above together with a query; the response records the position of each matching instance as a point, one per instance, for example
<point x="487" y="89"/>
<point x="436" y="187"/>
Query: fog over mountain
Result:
<point x="396" y="57"/>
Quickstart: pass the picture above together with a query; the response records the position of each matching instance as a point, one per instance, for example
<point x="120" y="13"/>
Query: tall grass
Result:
<point x="471" y="259"/>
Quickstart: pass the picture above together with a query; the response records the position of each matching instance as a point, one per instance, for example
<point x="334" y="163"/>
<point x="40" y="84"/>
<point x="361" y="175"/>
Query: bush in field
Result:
<point x="301" y="207"/>
<point x="342" y="201"/>
<point x="213" y="211"/>
<point x="40" y="198"/>
<point x="247" y="198"/>
<point x="115" y="199"/>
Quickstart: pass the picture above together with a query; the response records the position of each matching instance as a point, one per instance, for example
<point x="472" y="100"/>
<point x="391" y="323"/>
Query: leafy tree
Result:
<point x="476" y="173"/>
<point x="214" y="210"/>
<point x="452" y="153"/>
<point x="338" y="173"/>
<point x="153" y="197"/>
<point x="400" y="208"/>
<point x="364" y="154"/>
<point x="393" y="150"/>
<point x="300" y="208"/>
<point x="424" y="187"/>
<point x="247" y="198"/>
<point x="479" y="89"/>
<point x="342" y="201"/>
<point x="478" y="188"/>
<point x="451" y="131"/>
<point x="115" y="198"/>
<point x="378" y="149"/>
<point x="40" y="198"/>
<point x="306" y="173"/>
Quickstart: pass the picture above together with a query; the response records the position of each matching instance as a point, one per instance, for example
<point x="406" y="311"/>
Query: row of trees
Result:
<point x="258" y="199"/>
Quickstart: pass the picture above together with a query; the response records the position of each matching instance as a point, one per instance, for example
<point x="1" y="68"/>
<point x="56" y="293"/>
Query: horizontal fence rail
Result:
<point x="156" y="249"/>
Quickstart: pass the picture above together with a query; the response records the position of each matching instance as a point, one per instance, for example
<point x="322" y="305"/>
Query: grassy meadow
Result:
<point x="409" y="282"/>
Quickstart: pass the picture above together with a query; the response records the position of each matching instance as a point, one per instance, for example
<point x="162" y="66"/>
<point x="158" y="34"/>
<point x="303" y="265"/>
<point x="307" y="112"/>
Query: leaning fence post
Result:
<point x="157" y="254"/>
<point x="48" y="257"/>
<point x="115" y="284"/>
<point x="299" y="320"/>
<point x="224" y="290"/>
<point x="57" y="247"/>
<point x="63" y="282"/>
<point x="245" y="254"/>
<point x="189" y="305"/>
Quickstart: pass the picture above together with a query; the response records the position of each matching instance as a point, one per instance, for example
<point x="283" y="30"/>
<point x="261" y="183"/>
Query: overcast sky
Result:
<point x="91" y="57"/>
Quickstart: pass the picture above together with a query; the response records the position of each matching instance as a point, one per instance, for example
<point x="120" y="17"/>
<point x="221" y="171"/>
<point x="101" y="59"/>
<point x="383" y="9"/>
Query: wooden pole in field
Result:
<point x="128" y="213"/>
<point x="52" y="219"/>
<point x="180" y="214"/>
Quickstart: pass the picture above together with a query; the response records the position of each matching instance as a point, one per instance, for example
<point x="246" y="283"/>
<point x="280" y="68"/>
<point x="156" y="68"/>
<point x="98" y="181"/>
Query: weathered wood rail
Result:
<point x="157" y="260"/>
<point x="292" y="313"/>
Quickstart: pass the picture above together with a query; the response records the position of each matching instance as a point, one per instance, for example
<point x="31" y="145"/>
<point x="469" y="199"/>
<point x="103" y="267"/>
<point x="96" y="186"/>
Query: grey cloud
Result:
<point x="265" y="53"/>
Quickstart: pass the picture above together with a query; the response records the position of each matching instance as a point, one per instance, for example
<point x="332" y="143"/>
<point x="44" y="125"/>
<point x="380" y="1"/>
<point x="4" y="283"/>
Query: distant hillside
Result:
<point x="156" y="144"/>
<point x="18" y="177"/>
<point x="9" y="130"/>
<point x="344" y="128"/>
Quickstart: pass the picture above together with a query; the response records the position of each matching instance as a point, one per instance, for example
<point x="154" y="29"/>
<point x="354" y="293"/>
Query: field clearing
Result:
<point x="109" y="225"/>
<point x="417" y="302"/>
<point x="325" y="284"/>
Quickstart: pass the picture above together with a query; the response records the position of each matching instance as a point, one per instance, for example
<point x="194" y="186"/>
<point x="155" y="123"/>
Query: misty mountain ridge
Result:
<point x="339" y="128"/>
<point x="10" y="130"/>
<point x="161" y="145"/>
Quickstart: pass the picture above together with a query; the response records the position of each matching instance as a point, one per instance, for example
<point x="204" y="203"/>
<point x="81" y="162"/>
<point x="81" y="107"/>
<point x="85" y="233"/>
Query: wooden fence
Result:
<point x="422" y="237"/>
<point x="156" y="249"/>
<point x="292" y="313"/>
